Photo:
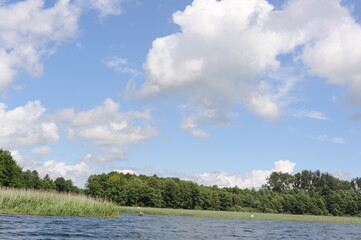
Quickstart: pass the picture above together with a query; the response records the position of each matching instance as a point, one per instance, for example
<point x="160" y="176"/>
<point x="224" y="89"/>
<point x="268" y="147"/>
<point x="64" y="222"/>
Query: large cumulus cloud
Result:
<point x="227" y="52"/>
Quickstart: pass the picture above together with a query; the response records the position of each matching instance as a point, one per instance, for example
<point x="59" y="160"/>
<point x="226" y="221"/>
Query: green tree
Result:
<point x="226" y="201"/>
<point x="10" y="172"/>
<point x="63" y="185"/>
<point x="171" y="193"/>
<point x="279" y="181"/>
<point x="31" y="179"/>
<point x="303" y="180"/>
<point x="356" y="183"/>
<point x="156" y="187"/>
<point x="97" y="185"/>
<point x="47" y="183"/>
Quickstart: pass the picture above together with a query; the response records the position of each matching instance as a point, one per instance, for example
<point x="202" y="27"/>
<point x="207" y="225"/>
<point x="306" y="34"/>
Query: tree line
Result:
<point x="11" y="175"/>
<point x="306" y="192"/>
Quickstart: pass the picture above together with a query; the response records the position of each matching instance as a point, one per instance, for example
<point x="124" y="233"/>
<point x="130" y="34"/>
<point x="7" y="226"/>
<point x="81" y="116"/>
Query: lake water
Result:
<point x="131" y="226"/>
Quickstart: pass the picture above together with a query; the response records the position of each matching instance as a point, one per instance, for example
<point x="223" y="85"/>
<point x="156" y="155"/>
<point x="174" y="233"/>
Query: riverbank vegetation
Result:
<point x="36" y="202"/>
<point x="307" y="192"/>
<point x="242" y="215"/>
<point x="24" y="192"/>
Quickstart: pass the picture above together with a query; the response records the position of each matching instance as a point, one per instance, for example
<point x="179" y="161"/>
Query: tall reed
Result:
<point x="23" y="201"/>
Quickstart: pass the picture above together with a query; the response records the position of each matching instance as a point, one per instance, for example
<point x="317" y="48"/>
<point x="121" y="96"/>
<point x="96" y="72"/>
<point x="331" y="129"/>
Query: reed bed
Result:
<point x="34" y="202"/>
<point x="243" y="215"/>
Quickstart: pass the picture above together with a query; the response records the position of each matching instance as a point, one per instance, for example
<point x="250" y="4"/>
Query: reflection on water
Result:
<point x="131" y="226"/>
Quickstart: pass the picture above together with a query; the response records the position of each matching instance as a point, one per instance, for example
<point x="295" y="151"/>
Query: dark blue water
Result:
<point x="131" y="226"/>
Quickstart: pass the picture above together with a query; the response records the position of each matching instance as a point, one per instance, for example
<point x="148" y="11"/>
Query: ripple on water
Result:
<point x="131" y="226"/>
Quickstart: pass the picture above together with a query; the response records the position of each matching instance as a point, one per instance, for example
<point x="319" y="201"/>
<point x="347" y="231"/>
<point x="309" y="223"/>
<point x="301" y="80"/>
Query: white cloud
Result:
<point x="342" y="175"/>
<point x="109" y="129"/>
<point x="28" y="31"/>
<point x="18" y="157"/>
<point x="337" y="56"/>
<point x="189" y="125"/>
<point x="105" y="7"/>
<point x="202" y="112"/>
<point x="107" y="156"/>
<point x="41" y="150"/>
<point x="78" y="173"/>
<point x="254" y="179"/>
<point x="207" y="57"/>
<point x="311" y="114"/>
<point x="125" y="171"/>
<point x="228" y="51"/>
<point x="106" y="125"/>
<point x="264" y="107"/>
<point x="26" y="125"/>
<point x="6" y="70"/>
<point x="326" y="138"/>
<point x="120" y="64"/>
<point x="222" y="49"/>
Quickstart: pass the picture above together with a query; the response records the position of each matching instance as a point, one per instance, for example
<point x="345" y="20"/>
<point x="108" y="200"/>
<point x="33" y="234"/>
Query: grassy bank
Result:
<point x="51" y="203"/>
<point x="243" y="215"/>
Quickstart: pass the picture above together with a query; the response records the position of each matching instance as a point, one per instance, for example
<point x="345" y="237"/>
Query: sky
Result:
<point x="220" y="92"/>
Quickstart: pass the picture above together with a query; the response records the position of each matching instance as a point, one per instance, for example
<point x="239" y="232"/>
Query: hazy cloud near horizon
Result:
<point x="254" y="179"/>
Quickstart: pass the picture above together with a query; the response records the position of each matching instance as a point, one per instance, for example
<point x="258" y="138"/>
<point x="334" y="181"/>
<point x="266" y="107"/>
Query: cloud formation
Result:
<point x="105" y="126"/>
<point x="311" y="114"/>
<point x="78" y="173"/>
<point x="107" y="130"/>
<point x="120" y="64"/>
<point x="229" y="51"/>
<point x="104" y="7"/>
<point x="26" y="125"/>
<point x="41" y="150"/>
<point x="326" y="138"/>
<point x="28" y="31"/>
<point x="337" y="56"/>
<point x="254" y="179"/>
<point x="107" y="156"/>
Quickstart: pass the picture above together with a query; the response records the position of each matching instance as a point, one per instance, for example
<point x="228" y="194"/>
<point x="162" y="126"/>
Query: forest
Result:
<point x="306" y="192"/>
<point x="12" y="175"/>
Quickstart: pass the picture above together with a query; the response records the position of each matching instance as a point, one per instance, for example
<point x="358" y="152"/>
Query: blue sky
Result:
<point x="217" y="92"/>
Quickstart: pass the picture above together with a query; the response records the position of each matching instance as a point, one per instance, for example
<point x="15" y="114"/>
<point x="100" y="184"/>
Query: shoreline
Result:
<point x="241" y="215"/>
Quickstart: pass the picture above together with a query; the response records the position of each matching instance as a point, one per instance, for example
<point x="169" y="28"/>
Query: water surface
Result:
<point x="131" y="226"/>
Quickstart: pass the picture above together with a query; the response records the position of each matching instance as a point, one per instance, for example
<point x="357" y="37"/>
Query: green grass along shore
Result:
<point x="242" y="215"/>
<point x="20" y="201"/>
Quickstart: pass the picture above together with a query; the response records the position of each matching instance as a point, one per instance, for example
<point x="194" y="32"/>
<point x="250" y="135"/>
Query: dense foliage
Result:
<point x="11" y="175"/>
<point x="306" y="192"/>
